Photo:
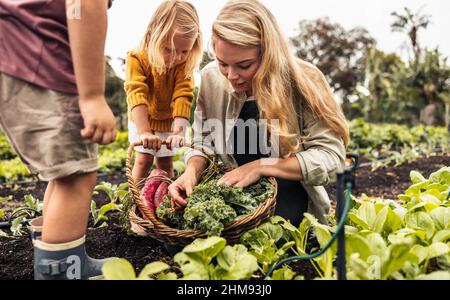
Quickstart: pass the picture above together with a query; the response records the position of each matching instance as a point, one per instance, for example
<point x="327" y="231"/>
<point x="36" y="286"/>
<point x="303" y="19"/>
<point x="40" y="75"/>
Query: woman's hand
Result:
<point x="243" y="176"/>
<point x="182" y="187"/>
<point x="150" y="141"/>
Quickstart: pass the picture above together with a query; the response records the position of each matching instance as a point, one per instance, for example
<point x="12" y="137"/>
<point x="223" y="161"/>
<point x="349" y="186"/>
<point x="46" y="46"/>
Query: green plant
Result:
<point x="386" y="144"/>
<point x="285" y="273"/>
<point x="398" y="241"/>
<point x="212" y="259"/>
<point x="111" y="160"/>
<point x="116" y="193"/>
<point x="6" y="152"/>
<point x="121" y="269"/>
<point x="99" y="215"/>
<point x="12" y="170"/>
<point x="203" y="259"/>
<point x="4" y="199"/>
<point x="385" y="239"/>
<point x="32" y="208"/>
<point x="262" y="243"/>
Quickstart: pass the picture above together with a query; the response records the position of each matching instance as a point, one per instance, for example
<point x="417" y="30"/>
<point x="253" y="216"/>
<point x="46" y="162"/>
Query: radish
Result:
<point x="151" y="186"/>
<point x="160" y="193"/>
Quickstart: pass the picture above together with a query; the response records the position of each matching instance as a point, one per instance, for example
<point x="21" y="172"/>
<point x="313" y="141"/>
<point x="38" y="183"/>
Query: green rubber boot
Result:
<point x="67" y="261"/>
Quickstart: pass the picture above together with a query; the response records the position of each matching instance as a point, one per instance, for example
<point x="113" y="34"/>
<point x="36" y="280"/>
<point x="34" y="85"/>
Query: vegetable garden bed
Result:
<point x="16" y="254"/>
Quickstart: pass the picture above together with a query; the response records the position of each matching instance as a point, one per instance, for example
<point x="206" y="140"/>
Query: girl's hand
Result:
<point x="174" y="141"/>
<point x="182" y="187"/>
<point x="243" y="176"/>
<point x="150" y="141"/>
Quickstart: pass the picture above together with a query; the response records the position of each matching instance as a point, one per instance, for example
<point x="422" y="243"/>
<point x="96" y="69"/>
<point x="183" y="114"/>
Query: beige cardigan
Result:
<point x="322" y="153"/>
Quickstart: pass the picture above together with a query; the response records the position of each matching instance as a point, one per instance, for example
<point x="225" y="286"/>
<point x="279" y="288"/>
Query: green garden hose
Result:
<point x="339" y="227"/>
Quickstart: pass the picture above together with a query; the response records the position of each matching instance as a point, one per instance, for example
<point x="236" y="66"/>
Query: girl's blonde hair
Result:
<point x="280" y="83"/>
<point x="170" y="18"/>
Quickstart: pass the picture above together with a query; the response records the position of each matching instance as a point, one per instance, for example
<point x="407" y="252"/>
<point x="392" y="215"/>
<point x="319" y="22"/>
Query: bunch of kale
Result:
<point x="211" y="206"/>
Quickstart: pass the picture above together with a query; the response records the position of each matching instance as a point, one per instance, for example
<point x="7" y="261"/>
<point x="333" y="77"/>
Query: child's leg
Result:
<point x="47" y="196"/>
<point x="67" y="211"/>
<point x="142" y="164"/>
<point x="166" y="164"/>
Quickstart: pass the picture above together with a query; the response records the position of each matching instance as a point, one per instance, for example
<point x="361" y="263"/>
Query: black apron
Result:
<point x="292" y="199"/>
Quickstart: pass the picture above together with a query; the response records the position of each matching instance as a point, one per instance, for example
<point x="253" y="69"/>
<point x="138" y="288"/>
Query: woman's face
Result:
<point x="238" y="64"/>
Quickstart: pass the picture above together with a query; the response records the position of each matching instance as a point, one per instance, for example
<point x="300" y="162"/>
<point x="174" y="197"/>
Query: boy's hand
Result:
<point x="99" y="121"/>
<point x="151" y="141"/>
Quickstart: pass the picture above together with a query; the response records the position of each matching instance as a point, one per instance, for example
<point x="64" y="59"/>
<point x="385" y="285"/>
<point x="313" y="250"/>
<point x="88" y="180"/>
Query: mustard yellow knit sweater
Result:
<point x="166" y="96"/>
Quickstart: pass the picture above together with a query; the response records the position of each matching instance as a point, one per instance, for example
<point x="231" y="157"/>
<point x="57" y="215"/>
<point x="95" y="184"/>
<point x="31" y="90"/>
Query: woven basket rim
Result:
<point x="159" y="230"/>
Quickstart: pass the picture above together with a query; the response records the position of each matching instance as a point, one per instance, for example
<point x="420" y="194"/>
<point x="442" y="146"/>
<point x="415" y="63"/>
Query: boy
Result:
<point x="53" y="110"/>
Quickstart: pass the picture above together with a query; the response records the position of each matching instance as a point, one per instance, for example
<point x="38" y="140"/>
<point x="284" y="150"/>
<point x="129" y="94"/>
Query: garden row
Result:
<point x="108" y="235"/>
<point x="404" y="239"/>
<point x="381" y="144"/>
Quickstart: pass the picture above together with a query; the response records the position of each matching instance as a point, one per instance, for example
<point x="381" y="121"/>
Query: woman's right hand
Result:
<point x="182" y="188"/>
<point x="150" y="141"/>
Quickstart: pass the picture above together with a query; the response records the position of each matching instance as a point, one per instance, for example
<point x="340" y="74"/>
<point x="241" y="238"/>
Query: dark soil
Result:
<point x="16" y="254"/>
<point x="392" y="181"/>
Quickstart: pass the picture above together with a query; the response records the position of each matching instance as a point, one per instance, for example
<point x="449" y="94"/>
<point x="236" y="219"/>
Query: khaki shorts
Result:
<point x="44" y="127"/>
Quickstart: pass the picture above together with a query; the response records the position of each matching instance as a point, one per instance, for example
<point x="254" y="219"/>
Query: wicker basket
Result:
<point x="145" y="223"/>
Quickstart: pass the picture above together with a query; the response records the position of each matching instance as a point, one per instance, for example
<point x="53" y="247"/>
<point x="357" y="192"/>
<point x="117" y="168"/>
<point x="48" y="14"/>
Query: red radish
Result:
<point x="160" y="193"/>
<point x="150" y="188"/>
<point x="147" y="193"/>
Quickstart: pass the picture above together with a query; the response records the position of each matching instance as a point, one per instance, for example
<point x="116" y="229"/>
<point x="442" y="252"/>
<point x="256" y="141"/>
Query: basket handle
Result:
<point x="133" y="186"/>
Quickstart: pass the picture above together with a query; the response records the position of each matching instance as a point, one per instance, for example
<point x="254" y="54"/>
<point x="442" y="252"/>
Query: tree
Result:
<point x="206" y="59"/>
<point x="411" y="23"/>
<point x="390" y="96"/>
<point x="115" y="94"/>
<point x="337" y="52"/>
<point x="433" y="77"/>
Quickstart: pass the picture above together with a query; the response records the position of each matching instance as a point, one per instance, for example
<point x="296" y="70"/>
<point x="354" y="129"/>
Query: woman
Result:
<point x="256" y="77"/>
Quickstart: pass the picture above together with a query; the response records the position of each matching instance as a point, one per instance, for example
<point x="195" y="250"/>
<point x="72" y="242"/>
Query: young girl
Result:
<point x="159" y="85"/>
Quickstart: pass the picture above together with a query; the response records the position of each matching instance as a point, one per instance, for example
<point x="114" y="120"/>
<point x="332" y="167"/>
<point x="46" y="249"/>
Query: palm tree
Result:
<point x="411" y="23"/>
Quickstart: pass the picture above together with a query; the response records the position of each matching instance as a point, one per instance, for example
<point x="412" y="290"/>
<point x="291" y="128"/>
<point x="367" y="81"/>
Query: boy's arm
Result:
<point x="87" y="43"/>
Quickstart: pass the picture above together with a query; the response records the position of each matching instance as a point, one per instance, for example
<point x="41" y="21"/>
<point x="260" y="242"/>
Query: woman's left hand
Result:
<point x="243" y="176"/>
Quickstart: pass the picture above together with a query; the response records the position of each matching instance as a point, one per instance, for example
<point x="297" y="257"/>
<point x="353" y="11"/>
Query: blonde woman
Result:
<point x="159" y="84"/>
<point x="256" y="77"/>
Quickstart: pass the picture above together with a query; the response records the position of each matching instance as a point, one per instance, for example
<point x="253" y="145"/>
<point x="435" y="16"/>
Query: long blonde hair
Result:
<point x="170" y="18"/>
<point x="280" y="83"/>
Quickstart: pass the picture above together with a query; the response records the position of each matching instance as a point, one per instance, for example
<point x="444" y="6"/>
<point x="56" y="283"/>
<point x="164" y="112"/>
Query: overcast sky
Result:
<point x="128" y="20"/>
